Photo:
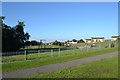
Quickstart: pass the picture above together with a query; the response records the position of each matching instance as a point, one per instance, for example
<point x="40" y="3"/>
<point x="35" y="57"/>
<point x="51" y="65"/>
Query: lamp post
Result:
<point x="41" y="42"/>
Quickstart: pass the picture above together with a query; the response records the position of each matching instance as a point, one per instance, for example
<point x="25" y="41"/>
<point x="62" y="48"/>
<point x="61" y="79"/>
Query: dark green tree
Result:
<point x="13" y="38"/>
<point x="81" y="41"/>
<point x="74" y="40"/>
<point x="58" y="43"/>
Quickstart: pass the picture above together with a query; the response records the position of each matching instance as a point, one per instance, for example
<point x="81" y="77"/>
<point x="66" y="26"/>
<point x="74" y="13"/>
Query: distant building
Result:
<point x="88" y="41"/>
<point x="71" y="42"/>
<point x="97" y="39"/>
<point x="94" y="39"/>
<point x="114" y="38"/>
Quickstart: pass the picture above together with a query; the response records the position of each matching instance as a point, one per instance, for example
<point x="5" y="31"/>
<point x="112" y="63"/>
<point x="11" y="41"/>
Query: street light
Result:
<point x="41" y="42"/>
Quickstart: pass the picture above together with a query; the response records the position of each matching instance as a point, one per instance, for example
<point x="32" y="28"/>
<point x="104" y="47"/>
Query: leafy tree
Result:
<point x="74" y="40"/>
<point x="13" y="38"/>
<point x="55" y="42"/>
<point x="58" y="43"/>
<point x="33" y="42"/>
<point x="81" y="41"/>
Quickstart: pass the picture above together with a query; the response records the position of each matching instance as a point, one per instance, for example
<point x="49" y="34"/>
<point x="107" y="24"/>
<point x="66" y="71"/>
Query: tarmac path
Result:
<point x="52" y="67"/>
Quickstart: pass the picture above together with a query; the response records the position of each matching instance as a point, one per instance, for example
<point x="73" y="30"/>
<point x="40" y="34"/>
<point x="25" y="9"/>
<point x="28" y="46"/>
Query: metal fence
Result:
<point x="39" y="54"/>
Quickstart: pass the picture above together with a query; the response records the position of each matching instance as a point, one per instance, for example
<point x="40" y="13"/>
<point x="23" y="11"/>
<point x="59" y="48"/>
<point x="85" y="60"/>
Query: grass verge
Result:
<point x="105" y="68"/>
<point x="18" y="65"/>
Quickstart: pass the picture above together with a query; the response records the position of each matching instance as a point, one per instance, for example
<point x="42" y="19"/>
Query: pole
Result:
<point x="109" y="45"/>
<point x="73" y="51"/>
<point x="51" y="53"/>
<point x="59" y="52"/>
<point x="38" y="52"/>
<point x="86" y="48"/>
<point x="25" y="55"/>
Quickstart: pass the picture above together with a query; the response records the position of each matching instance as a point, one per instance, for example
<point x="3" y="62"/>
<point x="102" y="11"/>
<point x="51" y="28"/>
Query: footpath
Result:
<point x="52" y="67"/>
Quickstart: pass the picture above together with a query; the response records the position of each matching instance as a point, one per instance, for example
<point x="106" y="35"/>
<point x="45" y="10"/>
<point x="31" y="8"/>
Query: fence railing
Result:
<point x="38" y="54"/>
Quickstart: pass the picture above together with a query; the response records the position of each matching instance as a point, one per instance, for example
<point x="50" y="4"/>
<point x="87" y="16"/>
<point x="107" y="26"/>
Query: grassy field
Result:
<point x="43" y="55"/>
<point x="105" y="68"/>
<point x="48" y="46"/>
<point x="100" y="44"/>
<point x="48" y="54"/>
<point x="17" y="65"/>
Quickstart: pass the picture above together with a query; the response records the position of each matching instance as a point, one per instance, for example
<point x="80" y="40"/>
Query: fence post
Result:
<point x="99" y="44"/>
<point x="73" y="51"/>
<point x="51" y="53"/>
<point x="38" y="53"/>
<point x="59" y="52"/>
<point x="86" y="48"/>
<point x="109" y="45"/>
<point x="25" y="55"/>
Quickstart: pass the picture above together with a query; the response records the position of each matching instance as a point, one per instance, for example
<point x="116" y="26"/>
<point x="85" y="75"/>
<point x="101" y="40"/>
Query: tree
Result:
<point x="13" y="38"/>
<point x="81" y="41"/>
<point x="58" y="43"/>
<point x="33" y="42"/>
<point x="74" y="40"/>
<point x="55" y="42"/>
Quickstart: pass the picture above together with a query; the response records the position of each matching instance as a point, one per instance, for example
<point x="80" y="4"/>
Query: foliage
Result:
<point x="74" y="40"/>
<point x="33" y="42"/>
<point x="81" y="41"/>
<point x="13" y="38"/>
<point x="58" y="43"/>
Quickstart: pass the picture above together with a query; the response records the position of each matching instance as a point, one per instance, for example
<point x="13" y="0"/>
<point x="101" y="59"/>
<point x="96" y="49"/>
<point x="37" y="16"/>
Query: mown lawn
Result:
<point x="98" y="44"/>
<point x="43" y="55"/>
<point x="18" y="65"/>
<point x="105" y="68"/>
<point x="48" y="46"/>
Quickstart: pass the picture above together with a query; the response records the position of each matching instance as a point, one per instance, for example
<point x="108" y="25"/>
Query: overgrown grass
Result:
<point x="18" y="65"/>
<point x="105" y="68"/>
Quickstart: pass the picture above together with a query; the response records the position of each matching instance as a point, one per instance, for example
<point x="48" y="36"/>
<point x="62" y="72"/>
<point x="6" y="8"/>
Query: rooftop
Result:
<point x="97" y="37"/>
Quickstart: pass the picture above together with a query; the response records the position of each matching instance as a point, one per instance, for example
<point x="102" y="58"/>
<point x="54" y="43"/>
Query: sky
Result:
<point x="64" y="20"/>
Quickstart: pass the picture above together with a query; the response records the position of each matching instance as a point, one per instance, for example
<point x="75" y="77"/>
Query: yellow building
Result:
<point x="114" y="38"/>
<point x="88" y="41"/>
<point x="97" y="39"/>
<point x="94" y="39"/>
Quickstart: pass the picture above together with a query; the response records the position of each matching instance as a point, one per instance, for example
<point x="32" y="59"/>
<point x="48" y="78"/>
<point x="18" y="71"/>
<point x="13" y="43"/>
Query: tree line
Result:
<point x="33" y="42"/>
<point x="78" y="41"/>
<point x="13" y="38"/>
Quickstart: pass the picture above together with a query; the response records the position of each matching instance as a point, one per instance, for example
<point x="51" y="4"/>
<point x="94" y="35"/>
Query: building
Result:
<point x="71" y="42"/>
<point x="94" y="39"/>
<point x="97" y="39"/>
<point x="114" y="38"/>
<point x="88" y="41"/>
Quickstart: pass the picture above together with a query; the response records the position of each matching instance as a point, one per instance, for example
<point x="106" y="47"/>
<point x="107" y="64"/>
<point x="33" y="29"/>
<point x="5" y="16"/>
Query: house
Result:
<point x="97" y="39"/>
<point x="114" y="38"/>
<point x="71" y="42"/>
<point x="87" y="40"/>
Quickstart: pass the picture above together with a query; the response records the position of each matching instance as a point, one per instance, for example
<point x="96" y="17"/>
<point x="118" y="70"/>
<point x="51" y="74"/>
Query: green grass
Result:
<point x="98" y="44"/>
<point x="106" y="44"/>
<point x="18" y="65"/>
<point x="48" y="54"/>
<point x="42" y="55"/>
<point x="36" y="47"/>
<point x="105" y="68"/>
